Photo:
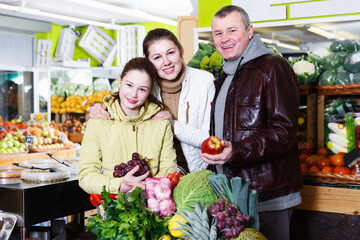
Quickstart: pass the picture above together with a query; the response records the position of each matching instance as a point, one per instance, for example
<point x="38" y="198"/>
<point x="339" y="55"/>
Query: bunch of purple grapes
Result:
<point x="230" y="221"/>
<point x="123" y="168"/>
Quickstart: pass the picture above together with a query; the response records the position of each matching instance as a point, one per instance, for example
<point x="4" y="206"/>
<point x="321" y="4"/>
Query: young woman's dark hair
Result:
<point x="159" y="34"/>
<point x="144" y="65"/>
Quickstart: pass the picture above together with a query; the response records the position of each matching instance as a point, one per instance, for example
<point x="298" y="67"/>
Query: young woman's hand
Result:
<point x="98" y="111"/>
<point x="164" y="115"/>
<point x="131" y="182"/>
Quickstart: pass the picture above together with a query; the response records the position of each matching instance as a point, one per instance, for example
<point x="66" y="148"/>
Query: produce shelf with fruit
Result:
<point x="7" y="160"/>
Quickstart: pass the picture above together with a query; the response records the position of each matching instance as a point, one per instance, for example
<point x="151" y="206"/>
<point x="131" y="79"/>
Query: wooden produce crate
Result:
<point x="330" y="90"/>
<point x="75" y="137"/>
<point x="330" y="199"/>
<point x="7" y="160"/>
<point x="311" y="109"/>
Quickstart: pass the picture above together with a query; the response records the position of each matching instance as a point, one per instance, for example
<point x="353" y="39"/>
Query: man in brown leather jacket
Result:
<point x="255" y="112"/>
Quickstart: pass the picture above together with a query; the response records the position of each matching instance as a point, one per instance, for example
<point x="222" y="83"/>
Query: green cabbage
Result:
<point x="352" y="62"/>
<point x="194" y="187"/>
<point x="342" y="77"/>
<point x="327" y="78"/>
<point x="356" y="78"/>
<point x="332" y="61"/>
<point x="343" y="46"/>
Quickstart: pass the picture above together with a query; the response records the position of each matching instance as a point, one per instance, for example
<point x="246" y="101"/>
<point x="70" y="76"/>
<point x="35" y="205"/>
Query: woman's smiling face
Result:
<point x="166" y="57"/>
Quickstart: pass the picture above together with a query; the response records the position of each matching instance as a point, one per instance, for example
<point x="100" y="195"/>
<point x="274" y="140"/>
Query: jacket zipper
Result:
<point x="133" y="124"/>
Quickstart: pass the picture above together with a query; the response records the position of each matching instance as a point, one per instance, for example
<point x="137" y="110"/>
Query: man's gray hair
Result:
<point x="224" y="11"/>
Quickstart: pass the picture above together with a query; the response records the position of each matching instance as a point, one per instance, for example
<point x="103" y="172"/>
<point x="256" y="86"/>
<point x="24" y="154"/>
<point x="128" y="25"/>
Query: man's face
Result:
<point x="230" y="35"/>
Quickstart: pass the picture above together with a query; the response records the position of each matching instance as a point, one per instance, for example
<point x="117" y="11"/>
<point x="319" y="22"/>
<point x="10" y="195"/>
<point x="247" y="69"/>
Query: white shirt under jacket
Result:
<point x="193" y="123"/>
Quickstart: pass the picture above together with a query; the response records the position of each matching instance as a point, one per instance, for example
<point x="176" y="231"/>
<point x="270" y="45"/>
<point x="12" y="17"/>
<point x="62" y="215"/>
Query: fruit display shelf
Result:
<point x="75" y="137"/>
<point x="8" y="159"/>
<point x="46" y="150"/>
<point x="340" y="179"/>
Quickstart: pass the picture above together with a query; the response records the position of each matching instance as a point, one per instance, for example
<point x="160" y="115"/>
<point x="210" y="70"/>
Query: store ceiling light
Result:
<point x="36" y="12"/>
<point x="324" y="33"/>
<point x="107" y="7"/>
<point x="125" y="11"/>
<point x="280" y="44"/>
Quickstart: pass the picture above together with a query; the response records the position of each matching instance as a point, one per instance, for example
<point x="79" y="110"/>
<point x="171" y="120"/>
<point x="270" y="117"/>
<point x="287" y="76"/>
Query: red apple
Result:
<point x="212" y="145"/>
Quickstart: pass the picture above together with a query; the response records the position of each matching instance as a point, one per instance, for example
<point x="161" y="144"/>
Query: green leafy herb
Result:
<point x="127" y="218"/>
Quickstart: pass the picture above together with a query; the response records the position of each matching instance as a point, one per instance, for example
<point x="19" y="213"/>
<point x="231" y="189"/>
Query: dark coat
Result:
<point x="260" y="119"/>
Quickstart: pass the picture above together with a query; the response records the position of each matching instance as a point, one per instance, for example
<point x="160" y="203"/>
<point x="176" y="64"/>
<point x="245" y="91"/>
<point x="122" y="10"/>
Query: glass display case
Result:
<point x="16" y="94"/>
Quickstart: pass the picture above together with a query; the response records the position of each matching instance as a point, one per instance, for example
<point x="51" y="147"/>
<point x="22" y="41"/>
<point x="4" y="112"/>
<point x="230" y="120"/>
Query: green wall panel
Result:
<point x="207" y="9"/>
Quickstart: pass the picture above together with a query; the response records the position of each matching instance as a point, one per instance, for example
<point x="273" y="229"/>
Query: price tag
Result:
<point x="29" y="139"/>
<point x="2" y="128"/>
<point x="63" y="138"/>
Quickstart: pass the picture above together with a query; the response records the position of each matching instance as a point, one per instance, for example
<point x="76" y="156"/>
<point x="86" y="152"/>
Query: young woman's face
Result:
<point x="166" y="57"/>
<point x="134" y="88"/>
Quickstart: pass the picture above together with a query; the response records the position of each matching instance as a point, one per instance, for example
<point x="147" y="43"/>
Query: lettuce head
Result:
<point x="194" y="188"/>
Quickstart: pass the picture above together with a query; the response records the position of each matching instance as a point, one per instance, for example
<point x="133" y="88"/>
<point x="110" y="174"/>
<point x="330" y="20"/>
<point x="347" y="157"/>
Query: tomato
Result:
<point x="322" y="151"/>
<point x="176" y="174"/>
<point x="170" y="176"/>
<point x="323" y="163"/>
<point x="304" y="167"/>
<point x="314" y="169"/>
<point x="174" y="182"/>
<point x="327" y="169"/>
<point x="347" y="171"/>
<point x="303" y="157"/>
<point x="337" y="159"/>
<point x="339" y="170"/>
<point x="311" y="160"/>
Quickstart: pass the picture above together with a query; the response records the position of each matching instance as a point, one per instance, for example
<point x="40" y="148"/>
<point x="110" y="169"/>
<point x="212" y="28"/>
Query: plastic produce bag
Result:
<point x="159" y="196"/>
<point x="114" y="86"/>
<point x="101" y="84"/>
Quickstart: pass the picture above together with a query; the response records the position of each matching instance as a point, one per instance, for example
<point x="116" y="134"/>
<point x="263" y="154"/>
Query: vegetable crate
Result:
<point x="66" y="44"/>
<point x="99" y="45"/>
<point x="130" y="43"/>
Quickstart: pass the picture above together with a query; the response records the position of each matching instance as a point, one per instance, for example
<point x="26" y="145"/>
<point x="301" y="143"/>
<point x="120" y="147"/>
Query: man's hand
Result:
<point x="131" y="181"/>
<point x="221" y="158"/>
<point x="164" y="115"/>
<point x="99" y="111"/>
